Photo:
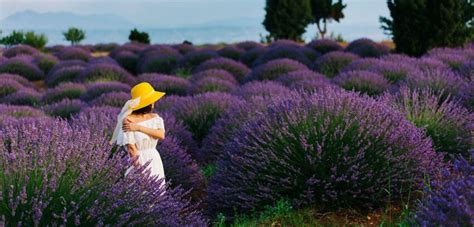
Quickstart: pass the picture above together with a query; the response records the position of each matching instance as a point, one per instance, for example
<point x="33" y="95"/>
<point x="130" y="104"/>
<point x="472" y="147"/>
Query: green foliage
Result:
<point x="420" y="25"/>
<point x="287" y="19"/>
<point x="74" y="35"/>
<point x="324" y="11"/>
<point x="209" y="170"/>
<point x="137" y="36"/>
<point x="15" y="38"/>
<point x="35" y="40"/>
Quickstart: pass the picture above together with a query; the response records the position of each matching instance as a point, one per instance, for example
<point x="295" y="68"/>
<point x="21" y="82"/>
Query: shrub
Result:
<point x="171" y="85"/>
<point x="367" y="48"/>
<point x="23" y="97"/>
<point x="264" y="89"/>
<point x="128" y="60"/>
<point x="292" y="77"/>
<point x="332" y="63"/>
<point x="67" y="63"/>
<point x="448" y="124"/>
<point x="311" y="54"/>
<point x="45" y="62"/>
<point x="467" y="70"/>
<point x="184" y="48"/>
<point x="231" y="52"/>
<point x="65" y="74"/>
<point x="84" y="179"/>
<point x="159" y="63"/>
<point x="237" y="69"/>
<point x="159" y="50"/>
<point x="102" y="60"/>
<point x="363" y="64"/>
<point x="430" y="64"/>
<point x="74" y="53"/>
<point x="213" y="73"/>
<point x="64" y="108"/>
<point x="276" y="68"/>
<point x="248" y="45"/>
<point x="99" y="120"/>
<point x="22" y="67"/>
<point x="312" y="85"/>
<point x="449" y="200"/>
<point x="113" y="99"/>
<point x="9" y="86"/>
<point x="74" y="35"/>
<point x="35" y="40"/>
<point x="19" y="50"/>
<point x="132" y="47"/>
<point x="195" y="58"/>
<point x="180" y="169"/>
<point x="287" y="19"/>
<point x="329" y="148"/>
<point x="293" y="53"/>
<point x="363" y="81"/>
<point x="62" y="91"/>
<point x="324" y="46"/>
<point x="179" y="132"/>
<point x="454" y="60"/>
<point x="96" y="89"/>
<point x="105" y="72"/>
<point x="394" y="71"/>
<point x="20" y="112"/>
<point x="441" y="81"/>
<point x="249" y="57"/>
<point x="137" y="36"/>
<point x="105" y="47"/>
<point x="200" y="112"/>
<point x="23" y="81"/>
<point x="284" y="43"/>
<point x="210" y="84"/>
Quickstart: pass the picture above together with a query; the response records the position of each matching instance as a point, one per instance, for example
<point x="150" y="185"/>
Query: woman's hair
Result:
<point x="144" y="110"/>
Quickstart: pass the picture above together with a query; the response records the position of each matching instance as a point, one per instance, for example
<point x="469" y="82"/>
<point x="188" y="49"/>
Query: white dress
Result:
<point x="146" y="147"/>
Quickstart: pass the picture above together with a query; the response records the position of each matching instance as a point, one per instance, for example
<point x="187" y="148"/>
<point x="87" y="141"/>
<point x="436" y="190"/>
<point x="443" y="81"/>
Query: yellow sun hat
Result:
<point x="147" y="95"/>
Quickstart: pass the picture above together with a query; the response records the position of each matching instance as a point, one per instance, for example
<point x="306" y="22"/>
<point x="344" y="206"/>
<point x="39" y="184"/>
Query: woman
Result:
<point x="139" y="129"/>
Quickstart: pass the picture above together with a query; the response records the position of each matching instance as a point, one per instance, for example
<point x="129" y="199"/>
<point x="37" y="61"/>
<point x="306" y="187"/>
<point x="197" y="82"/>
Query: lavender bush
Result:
<point x="96" y="89"/>
<point x="237" y="69"/>
<point x="449" y="201"/>
<point x="331" y="148"/>
<point x="394" y="71"/>
<point x="324" y="46"/>
<point x="9" y="86"/>
<point x="62" y="91"/>
<point x="293" y="53"/>
<point x="23" y="81"/>
<point x="66" y="74"/>
<point x="213" y="73"/>
<point x="210" y="84"/>
<point x="332" y="63"/>
<point x="23" y="67"/>
<point x="264" y="89"/>
<point x="64" y="108"/>
<point x="74" y="178"/>
<point x="367" y="48"/>
<point x="363" y="81"/>
<point x="105" y="72"/>
<point x="74" y="53"/>
<point x="159" y="63"/>
<point x="275" y="68"/>
<point x="45" y="62"/>
<point x="249" y="57"/>
<point x="231" y="52"/>
<point x="128" y="60"/>
<point x="171" y="85"/>
<point x="195" y="58"/>
<point x="184" y="48"/>
<point x="19" y="50"/>
<point x="114" y="99"/>
<point x="248" y="45"/>
<point x="448" y="124"/>
<point x="25" y="96"/>
<point x="290" y="78"/>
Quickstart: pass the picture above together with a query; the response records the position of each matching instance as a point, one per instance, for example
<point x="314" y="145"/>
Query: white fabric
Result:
<point x="146" y="146"/>
<point x="126" y="110"/>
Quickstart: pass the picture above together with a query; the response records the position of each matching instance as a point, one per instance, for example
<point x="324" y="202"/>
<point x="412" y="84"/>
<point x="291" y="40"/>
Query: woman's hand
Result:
<point x="128" y="126"/>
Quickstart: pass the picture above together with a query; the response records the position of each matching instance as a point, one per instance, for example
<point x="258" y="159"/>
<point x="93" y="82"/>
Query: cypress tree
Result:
<point x="287" y="19"/>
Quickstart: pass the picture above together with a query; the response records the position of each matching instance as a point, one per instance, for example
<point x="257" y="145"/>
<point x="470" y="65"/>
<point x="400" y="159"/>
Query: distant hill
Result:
<point x="62" y="20"/>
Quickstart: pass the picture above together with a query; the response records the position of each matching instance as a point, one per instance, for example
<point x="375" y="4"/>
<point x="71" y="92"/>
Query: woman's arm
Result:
<point x="133" y="152"/>
<point x="154" y="133"/>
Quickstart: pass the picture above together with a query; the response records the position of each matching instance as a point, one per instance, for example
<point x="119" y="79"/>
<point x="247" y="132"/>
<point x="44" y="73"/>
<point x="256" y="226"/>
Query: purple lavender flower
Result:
<point x="105" y="72"/>
<point x="114" y="99"/>
<point x="171" y="85"/>
<point x="237" y="69"/>
<point x="231" y="52"/>
<point x="284" y="43"/>
<point x="158" y="50"/>
<point x="363" y="81"/>
<point x="96" y="89"/>
<point x="394" y="71"/>
<point x="195" y="58"/>
<point x="449" y="201"/>
<point x="276" y="68"/>
<point x="66" y="74"/>
<point x="332" y="63"/>
<point x="467" y="70"/>
<point x="22" y="67"/>
<point x="200" y="112"/>
<point x="45" y="62"/>
<point x="248" y="45"/>
<point x="74" y="53"/>
<point x="132" y="47"/>
<point x="367" y="48"/>
<point x="293" y="53"/>
<point x="23" y="81"/>
<point x="9" y="86"/>
<point x="184" y="48"/>
<point x="210" y="84"/>
<point x="64" y="108"/>
<point x="105" y="47"/>
<point x="455" y="61"/>
<point x="180" y="132"/>
<point x="25" y="96"/>
<point x="293" y="77"/>
<point x="249" y="57"/>
<point x="264" y="89"/>
<point x="62" y="91"/>
<point x="332" y="148"/>
<point x="324" y="46"/>
<point x="66" y="64"/>
<point x="214" y="73"/>
<point x="102" y="60"/>
<point x="448" y="124"/>
<point x="158" y="63"/>
<point x="19" y="50"/>
<point x="128" y="60"/>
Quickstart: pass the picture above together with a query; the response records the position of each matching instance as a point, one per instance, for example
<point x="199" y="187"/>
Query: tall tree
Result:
<point x="287" y="19"/>
<point x="419" y="25"/>
<point x="74" y="35"/>
<point x="325" y="11"/>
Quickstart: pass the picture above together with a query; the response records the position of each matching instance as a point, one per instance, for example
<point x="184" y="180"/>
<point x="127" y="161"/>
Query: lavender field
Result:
<point x="252" y="131"/>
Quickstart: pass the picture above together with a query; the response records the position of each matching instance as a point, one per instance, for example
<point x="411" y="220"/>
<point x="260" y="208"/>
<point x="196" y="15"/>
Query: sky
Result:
<point x="361" y="15"/>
